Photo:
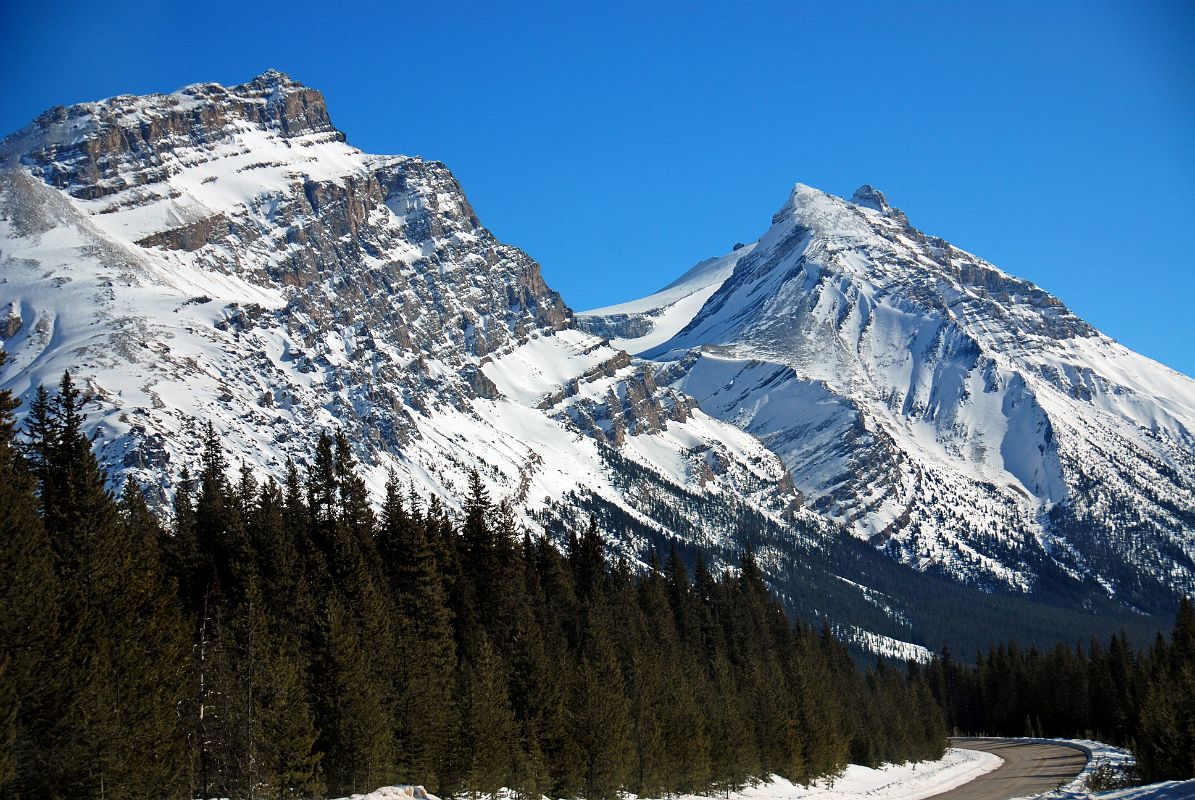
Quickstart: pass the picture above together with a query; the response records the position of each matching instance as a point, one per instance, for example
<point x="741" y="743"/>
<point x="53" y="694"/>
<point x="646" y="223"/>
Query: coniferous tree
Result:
<point x="684" y="727"/>
<point x="1165" y="746"/>
<point x="181" y="556"/>
<point x="225" y="554"/>
<point x="273" y="732"/>
<point x="30" y="608"/>
<point x="279" y="623"/>
<point x="426" y="715"/>
<point x="281" y="566"/>
<point x="355" y="641"/>
<point x="540" y="684"/>
<point x="116" y="728"/>
<point x="355" y="727"/>
<point x="602" y="722"/>
<point x="490" y="733"/>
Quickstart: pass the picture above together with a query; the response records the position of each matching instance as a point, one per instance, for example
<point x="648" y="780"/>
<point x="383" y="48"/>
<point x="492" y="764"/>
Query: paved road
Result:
<point x="1028" y="769"/>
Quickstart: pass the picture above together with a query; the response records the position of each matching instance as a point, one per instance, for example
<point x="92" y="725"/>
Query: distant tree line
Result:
<point x="278" y="638"/>
<point x="1141" y="700"/>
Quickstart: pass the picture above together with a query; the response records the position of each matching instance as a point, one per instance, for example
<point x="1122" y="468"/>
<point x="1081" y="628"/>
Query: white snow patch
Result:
<point x="394" y="793"/>
<point x="1167" y="790"/>
<point x="883" y="645"/>
<point x="674" y="306"/>
<point x="890" y="782"/>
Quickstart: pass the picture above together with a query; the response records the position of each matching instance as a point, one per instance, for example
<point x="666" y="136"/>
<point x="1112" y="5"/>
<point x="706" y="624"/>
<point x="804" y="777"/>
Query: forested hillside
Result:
<point x="278" y="638"/>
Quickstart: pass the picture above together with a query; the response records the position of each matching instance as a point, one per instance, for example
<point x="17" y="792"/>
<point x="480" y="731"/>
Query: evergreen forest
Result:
<point x="280" y="638"/>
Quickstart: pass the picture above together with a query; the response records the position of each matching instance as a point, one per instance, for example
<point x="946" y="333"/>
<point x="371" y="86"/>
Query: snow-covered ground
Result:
<point x="1098" y="755"/>
<point x="395" y="793"/>
<point x="890" y="782"/>
<point x="911" y="781"/>
<point x="1169" y="790"/>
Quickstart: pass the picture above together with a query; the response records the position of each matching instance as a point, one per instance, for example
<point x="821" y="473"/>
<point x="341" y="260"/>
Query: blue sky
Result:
<point x="618" y="143"/>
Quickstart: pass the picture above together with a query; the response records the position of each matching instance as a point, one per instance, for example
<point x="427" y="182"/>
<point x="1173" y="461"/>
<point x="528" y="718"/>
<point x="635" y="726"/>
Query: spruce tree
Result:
<point x="181" y="556"/>
<point x="684" y="725"/>
<point x="734" y="756"/>
<point x="116" y="728"/>
<point x="353" y="713"/>
<point x="1165" y="746"/>
<point x="489" y="732"/>
<point x="426" y="716"/>
<point x="541" y="681"/>
<point x="31" y="641"/>
<point x="602" y="724"/>
<point x="280" y="724"/>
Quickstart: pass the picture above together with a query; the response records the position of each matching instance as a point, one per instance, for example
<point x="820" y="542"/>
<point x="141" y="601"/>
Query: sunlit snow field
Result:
<point x="891" y="782"/>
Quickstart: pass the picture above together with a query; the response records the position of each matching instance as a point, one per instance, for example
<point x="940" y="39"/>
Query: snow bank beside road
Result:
<point x="1099" y="755"/>
<point x="890" y="782"/>
<point x="1170" y="790"/>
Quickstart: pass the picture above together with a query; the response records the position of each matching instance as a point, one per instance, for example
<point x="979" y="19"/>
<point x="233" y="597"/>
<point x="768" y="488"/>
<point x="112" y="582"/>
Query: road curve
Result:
<point x="1028" y="769"/>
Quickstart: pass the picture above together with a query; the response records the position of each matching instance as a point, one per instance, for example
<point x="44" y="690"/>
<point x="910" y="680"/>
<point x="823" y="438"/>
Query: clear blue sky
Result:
<point x="618" y="143"/>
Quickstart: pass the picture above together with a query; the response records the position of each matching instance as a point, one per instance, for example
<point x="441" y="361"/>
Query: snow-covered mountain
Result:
<point x="961" y="418"/>
<point x="223" y="254"/>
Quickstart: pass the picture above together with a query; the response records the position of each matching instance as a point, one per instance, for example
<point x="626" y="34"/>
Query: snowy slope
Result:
<point x="223" y="254"/>
<point x="642" y="324"/>
<point x="962" y="418"/>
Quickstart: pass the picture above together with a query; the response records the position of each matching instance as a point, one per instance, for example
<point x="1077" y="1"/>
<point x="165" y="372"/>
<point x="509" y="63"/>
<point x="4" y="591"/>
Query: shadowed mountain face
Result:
<point x="224" y="254"/>
<point x="952" y="414"/>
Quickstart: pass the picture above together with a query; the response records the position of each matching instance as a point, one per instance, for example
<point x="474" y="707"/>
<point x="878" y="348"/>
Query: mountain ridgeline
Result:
<point x="282" y="640"/>
<point x="918" y="449"/>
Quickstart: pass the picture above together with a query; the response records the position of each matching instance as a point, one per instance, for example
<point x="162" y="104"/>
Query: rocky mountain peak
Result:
<point x="274" y="78"/>
<point x="96" y="149"/>
<point x="868" y="196"/>
<point x="800" y="200"/>
<point x="222" y="254"/>
<point x="812" y="208"/>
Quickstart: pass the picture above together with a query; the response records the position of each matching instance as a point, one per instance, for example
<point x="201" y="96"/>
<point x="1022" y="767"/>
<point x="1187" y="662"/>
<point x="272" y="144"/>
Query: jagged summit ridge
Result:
<point x="89" y="147"/>
<point x="884" y="250"/>
<point x="867" y="196"/>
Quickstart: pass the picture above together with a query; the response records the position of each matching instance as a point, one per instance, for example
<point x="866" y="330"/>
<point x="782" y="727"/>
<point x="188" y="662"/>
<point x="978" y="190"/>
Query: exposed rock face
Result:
<point x="616" y="326"/>
<point x="99" y="149"/>
<point x="12" y="321"/>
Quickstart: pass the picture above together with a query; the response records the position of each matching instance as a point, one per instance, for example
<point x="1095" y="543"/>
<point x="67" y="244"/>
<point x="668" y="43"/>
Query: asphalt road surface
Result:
<point x="1028" y="769"/>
